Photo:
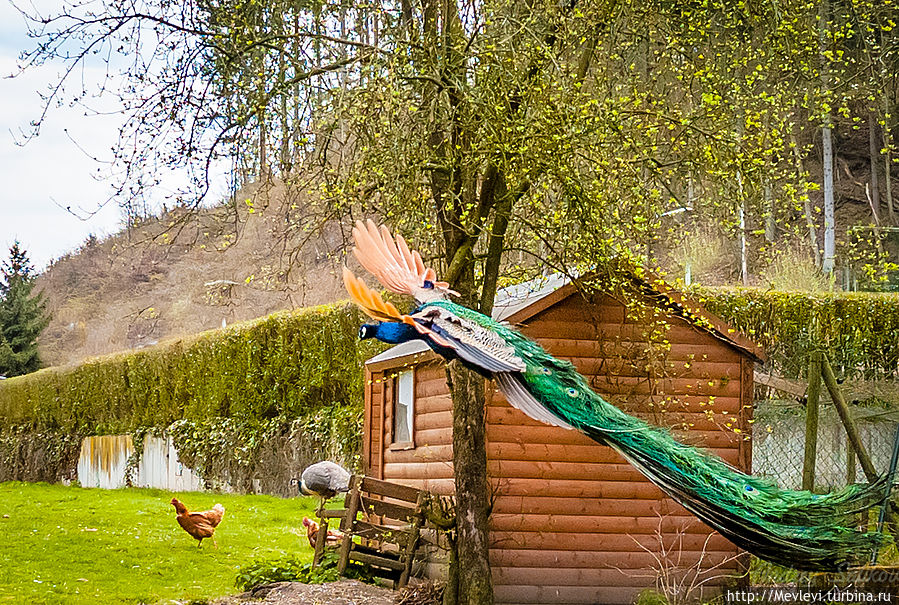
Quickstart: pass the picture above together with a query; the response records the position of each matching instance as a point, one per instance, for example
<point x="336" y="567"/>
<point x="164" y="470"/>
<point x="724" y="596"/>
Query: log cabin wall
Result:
<point x="572" y="521"/>
<point x="426" y="463"/>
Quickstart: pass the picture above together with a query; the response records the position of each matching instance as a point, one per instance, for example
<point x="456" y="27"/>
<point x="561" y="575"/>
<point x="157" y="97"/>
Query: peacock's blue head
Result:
<point x="388" y="331"/>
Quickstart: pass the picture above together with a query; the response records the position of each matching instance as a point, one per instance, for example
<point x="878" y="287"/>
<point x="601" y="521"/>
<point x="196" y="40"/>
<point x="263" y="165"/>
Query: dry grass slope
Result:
<point x="185" y="272"/>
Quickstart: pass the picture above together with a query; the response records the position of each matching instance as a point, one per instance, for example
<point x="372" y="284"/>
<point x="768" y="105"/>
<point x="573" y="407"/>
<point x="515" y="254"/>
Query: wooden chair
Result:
<point x="390" y="528"/>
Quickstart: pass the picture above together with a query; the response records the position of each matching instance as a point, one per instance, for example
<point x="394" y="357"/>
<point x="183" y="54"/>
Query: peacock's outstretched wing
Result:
<point x="390" y="260"/>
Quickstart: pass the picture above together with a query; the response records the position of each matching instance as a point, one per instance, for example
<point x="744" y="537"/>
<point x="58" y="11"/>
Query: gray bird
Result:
<point x="325" y="480"/>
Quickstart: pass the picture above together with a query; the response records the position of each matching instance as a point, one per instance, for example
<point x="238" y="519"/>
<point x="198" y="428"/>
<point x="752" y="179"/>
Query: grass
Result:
<point x="73" y="545"/>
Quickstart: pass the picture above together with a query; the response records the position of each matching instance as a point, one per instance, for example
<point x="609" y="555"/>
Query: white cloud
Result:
<point x="49" y="173"/>
<point x="56" y="170"/>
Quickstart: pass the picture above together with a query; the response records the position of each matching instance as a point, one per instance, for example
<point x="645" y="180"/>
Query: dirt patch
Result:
<point x="344" y="592"/>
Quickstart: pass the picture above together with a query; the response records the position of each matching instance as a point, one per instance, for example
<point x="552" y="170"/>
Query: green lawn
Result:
<point x="50" y="553"/>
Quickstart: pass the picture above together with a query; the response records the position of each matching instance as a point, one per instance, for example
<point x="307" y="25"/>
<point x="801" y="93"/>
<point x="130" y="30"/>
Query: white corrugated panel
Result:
<point x="103" y="459"/>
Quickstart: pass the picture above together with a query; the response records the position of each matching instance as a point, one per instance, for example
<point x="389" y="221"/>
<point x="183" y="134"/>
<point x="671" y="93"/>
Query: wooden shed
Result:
<point x="572" y="521"/>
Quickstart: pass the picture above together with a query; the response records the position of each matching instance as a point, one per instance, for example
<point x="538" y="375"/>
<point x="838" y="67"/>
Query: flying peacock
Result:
<point x="796" y="529"/>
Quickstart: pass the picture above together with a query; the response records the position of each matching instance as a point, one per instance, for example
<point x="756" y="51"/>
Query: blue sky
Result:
<point x="58" y="170"/>
<point x="46" y="175"/>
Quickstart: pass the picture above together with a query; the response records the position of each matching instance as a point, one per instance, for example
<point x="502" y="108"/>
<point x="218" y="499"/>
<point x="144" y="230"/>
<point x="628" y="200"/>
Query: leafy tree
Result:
<point x="23" y="316"/>
<point x="503" y="135"/>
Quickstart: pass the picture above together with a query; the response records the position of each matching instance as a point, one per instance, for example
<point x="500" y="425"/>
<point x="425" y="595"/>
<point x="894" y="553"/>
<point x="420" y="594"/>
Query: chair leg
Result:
<point x="320" y="540"/>
<point x="349" y="522"/>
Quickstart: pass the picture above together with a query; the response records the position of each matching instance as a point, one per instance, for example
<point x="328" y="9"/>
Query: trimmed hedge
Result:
<point x="296" y="364"/>
<point x="225" y="394"/>
<point x="287" y="365"/>
<point x="859" y="331"/>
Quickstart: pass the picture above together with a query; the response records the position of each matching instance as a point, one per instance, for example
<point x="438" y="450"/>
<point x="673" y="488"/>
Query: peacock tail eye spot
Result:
<point x="571" y="392"/>
<point x="749" y="488"/>
<point x="546" y="371"/>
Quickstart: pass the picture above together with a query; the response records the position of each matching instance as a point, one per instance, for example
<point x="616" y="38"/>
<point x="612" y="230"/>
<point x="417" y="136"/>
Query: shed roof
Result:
<point x="520" y="302"/>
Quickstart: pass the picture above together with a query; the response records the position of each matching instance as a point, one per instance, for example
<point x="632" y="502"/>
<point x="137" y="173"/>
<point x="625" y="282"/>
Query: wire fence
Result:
<point x="778" y="443"/>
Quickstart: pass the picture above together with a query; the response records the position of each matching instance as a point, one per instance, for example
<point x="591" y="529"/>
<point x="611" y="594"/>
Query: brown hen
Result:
<point x="334" y="536"/>
<point x="199" y="525"/>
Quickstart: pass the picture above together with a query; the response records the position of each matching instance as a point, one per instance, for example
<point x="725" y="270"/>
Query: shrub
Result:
<point x="291" y="569"/>
<point x="287" y="365"/>
<point x="856" y="329"/>
<point x="227" y="397"/>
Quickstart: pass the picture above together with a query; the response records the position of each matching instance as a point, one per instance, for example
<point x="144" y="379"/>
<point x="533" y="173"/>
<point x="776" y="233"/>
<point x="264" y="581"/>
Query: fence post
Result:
<point x="851" y="430"/>
<point x="811" y="421"/>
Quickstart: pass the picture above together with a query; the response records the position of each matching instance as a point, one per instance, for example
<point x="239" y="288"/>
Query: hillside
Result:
<point x="185" y="272"/>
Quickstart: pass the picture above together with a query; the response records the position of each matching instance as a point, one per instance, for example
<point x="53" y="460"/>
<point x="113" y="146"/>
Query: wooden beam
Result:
<point x="851" y="430"/>
<point x="390" y="490"/>
<point x="785" y="385"/>
<point x="320" y="540"/>
<point x="412" y="543"/>
<point x="377" y="561"/>
<point x="352" y="508"/>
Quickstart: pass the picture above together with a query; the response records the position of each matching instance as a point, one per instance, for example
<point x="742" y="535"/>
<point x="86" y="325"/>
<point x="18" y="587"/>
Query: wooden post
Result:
<point x="346" y="526"/>
<point x="409" y="550"/>
<point x="811" y="421"/>
<point x="851" y="463"/>
<point x="851" y="431"/>
<point x="320" y="540"/>
<point x="887" y="503"/>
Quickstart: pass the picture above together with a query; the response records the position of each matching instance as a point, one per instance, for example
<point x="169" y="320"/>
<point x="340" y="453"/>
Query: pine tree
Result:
<point x="22" y="316"/>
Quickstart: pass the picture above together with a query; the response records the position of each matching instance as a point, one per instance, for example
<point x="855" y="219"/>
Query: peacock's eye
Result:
<point x="572" y="392"/>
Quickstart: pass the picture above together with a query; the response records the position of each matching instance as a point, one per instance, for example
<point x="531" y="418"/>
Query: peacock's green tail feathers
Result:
<point x="798" y="529"/>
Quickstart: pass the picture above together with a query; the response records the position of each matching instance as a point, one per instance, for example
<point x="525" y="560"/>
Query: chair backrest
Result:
<point x="390" y="501"/>
<point x="392" y="516"/>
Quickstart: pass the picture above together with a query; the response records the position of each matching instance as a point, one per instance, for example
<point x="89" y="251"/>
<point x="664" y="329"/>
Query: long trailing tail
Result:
<point x="797" y="529"/>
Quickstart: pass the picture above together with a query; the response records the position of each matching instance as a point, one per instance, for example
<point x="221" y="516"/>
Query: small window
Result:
<point x="403" y="407"/>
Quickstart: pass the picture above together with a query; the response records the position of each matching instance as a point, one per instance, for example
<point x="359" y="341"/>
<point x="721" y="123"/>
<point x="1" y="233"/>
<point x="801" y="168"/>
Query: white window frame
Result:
<point x="404" y="397"/>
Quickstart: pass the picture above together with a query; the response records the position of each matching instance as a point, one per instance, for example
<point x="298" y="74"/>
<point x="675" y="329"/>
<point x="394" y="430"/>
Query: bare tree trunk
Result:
<point x="888" y="184"/>
<point x="295" y="135"/>
<point x="829" y="224"/>
<point x="770" y="218"/>
<point x="874" y="152"/>
<point x="806" y="202"/>
<point x="260" y="118"/>
<point x="827" y="151"/>
<point x="741" y="199"/>
<point x="888" y="163"/>
<point x="495" y="241"/>
<point x="691" y="201"/>
<point x="744" y="244"/>
<point x="470" y="470"/>
<point x="263" y="145"/>
<point x="285" y="165"/>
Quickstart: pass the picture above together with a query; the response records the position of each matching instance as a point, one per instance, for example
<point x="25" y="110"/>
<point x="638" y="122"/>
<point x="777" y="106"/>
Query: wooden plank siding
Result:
<point x="373" y="438"/>
<point x="428" y="465"/>
<point x="575" y="514"/>
<point x="572" y="521"/>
